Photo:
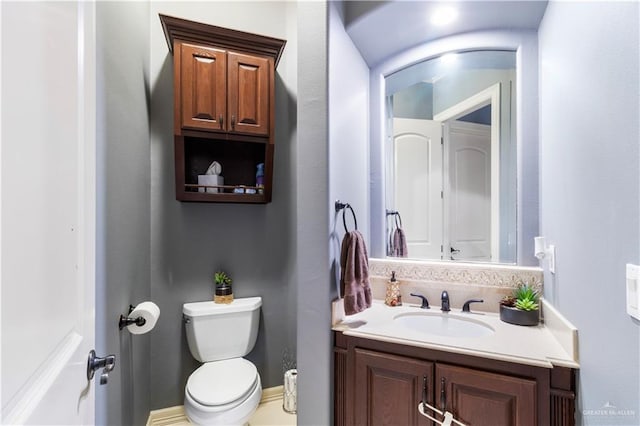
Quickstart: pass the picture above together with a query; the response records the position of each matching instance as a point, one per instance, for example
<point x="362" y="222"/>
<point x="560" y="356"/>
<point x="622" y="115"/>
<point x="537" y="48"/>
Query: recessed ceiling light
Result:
<point x="444" y="15"/>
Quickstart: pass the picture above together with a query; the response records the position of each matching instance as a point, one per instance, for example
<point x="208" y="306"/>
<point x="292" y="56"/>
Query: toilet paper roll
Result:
<point x="147" y="310"/>
<point x="289" y="397"/>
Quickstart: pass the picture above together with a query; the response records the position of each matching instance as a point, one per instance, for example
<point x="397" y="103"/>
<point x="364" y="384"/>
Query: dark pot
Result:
<point x="518" y="317"/>
<point x="224" y="294"/>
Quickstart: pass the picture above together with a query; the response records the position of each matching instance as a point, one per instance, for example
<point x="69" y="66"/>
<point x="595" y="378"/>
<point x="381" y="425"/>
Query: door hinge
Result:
<point x="442" y="141"/>
<point x="441" y="194"/>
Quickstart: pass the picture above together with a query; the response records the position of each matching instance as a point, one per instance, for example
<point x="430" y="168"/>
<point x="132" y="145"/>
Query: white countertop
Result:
<point x="553" y="344"/>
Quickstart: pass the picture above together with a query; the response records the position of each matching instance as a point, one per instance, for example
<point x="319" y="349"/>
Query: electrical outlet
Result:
<point x="633" y="290"/>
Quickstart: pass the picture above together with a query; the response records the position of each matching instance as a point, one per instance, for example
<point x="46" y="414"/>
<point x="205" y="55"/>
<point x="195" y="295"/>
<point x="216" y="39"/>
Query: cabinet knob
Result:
<point x="443" y="395"/>
<point x="233" y="121"/>
<point x="221" y="120"/>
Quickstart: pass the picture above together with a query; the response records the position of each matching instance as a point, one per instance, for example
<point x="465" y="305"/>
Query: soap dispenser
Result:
<point x="393" y="297"/>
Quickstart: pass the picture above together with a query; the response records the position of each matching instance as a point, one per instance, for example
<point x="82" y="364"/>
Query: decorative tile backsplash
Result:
<point x="462" y="281"/>
<point x="458" y="273"/>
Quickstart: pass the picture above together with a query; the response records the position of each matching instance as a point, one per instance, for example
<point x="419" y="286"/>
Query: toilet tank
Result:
<point x="217" y="331"/>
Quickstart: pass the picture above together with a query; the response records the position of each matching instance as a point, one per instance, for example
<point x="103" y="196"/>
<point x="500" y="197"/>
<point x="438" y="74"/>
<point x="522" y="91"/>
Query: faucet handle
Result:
<point x="465" y="307"/>
<point x="445" y="303"/>
<point x="425" y="302"/>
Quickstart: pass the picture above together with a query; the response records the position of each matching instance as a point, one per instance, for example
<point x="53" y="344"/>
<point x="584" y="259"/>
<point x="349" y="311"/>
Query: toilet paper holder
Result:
<point x="126" y="321"/>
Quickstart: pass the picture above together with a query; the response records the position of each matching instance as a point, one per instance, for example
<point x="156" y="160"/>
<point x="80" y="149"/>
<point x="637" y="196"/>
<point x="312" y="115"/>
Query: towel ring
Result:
<point x="398" y="220"/>
<point x="344" y="221"/>
<point x="343" y="206"/>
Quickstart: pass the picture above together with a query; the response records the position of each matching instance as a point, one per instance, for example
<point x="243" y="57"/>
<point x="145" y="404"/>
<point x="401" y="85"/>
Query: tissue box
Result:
<point x="213" y="180"/>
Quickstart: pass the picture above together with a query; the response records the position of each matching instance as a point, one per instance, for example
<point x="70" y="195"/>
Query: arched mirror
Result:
<point x="450" y="158"/>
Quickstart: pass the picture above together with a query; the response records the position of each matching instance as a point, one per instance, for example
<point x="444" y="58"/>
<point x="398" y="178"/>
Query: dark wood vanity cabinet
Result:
<point x="482" y="398"/>
<point x="389" y="388"/>
<point x="224" y="109"/>
<point x="380" y="383"/>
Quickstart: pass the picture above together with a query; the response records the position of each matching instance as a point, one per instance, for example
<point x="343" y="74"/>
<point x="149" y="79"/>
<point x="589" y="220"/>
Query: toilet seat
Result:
<point x="222" y="384"/>
<point x="235" y="380"/>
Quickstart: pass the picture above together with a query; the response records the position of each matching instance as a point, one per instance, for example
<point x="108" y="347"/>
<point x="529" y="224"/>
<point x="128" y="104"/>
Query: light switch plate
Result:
<point x="633" y="290"/>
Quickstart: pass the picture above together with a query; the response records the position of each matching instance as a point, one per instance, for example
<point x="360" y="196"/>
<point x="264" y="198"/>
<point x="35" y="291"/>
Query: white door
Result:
<point x="468" y="190"/>
<point x="48" y="211"/>
<point x="418" y="184"/>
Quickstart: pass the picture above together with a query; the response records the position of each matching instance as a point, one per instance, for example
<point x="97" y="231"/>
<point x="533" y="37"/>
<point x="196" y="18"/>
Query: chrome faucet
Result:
<point x="444" y="298"/>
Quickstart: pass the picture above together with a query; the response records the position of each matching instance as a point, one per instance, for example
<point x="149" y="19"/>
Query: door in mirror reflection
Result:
<point x="442" y="189"/>
<point x="467" y="192"/>
<point x="417" y="189"/>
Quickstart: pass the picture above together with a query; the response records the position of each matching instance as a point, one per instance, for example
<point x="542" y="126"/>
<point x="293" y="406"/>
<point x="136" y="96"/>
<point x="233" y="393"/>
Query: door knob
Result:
<point x="454" y="251"/>
<point x="95" y="363"/>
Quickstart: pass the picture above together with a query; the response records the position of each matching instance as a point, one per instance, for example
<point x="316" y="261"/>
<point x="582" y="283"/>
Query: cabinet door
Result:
<point x="479" y="398"/>
<point x="388" y="389"/>
<point x="249" y="94"/>
<point x="203" y="82"/>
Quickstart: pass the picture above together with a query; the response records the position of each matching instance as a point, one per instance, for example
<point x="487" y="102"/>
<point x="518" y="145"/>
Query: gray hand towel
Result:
<point x="399" y="248"/>
<point x="354" y="274"/>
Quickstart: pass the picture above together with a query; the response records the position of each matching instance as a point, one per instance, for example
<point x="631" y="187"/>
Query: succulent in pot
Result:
<point x="223" y="290"/>
<point x="521" y="307"/>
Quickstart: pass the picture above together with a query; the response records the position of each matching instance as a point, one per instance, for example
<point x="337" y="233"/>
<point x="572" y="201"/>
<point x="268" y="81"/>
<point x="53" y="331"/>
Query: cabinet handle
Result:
<point x="233" y="121"/>
<point x="443" y="395"/>
<point x="424" y="393"/>
<point x="221" y="120"/>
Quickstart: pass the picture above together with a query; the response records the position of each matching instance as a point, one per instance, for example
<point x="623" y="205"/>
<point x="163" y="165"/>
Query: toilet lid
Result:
<point x="222" y="382"/>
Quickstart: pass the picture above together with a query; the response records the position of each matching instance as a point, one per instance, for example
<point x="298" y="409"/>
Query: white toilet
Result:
<point x="226" y="389"/>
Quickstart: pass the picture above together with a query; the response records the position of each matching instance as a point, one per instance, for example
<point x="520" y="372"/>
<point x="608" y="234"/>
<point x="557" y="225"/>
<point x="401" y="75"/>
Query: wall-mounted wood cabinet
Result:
<point x="224" y="109"/>
<point x="380" y="383"/>
<point x="223" y="92"/>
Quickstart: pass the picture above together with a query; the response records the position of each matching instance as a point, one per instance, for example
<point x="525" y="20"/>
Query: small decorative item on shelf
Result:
<point x="223" y="293"/>
<point x="521" y="308"/>
<point x="260" y="178"/>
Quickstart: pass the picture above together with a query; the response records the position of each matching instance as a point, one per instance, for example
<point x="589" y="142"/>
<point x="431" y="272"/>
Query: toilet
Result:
<point x="226" y="388"/>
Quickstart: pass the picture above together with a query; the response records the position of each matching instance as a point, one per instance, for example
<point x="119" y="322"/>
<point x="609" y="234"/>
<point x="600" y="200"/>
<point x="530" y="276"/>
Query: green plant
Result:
<point x="524" y="297"/>
<point x="221" y="279"/>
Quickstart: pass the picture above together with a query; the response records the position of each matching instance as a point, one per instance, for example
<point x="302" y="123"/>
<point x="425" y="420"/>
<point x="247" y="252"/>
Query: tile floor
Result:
<point x="269" y="413"/>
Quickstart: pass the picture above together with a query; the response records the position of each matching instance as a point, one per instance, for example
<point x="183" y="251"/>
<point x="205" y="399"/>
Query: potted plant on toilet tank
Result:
<point x="521" y="307"/>
<point x="223" y="291"/>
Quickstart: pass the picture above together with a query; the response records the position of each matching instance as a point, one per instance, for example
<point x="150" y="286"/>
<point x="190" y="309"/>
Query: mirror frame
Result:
<point x="525" y="44"/>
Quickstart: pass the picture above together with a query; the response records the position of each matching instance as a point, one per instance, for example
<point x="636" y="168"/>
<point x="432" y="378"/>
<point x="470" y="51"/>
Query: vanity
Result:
<point x="482" y="370"/>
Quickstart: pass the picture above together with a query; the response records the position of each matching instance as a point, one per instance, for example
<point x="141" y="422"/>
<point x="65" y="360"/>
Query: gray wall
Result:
<point x="122" y="63"/>
<point x="589" y="191"/>
<point x="415" y="101"/>
<point x="315" y="393"/>
<point x="255" y="244"/>
<point x="348" y="136"/>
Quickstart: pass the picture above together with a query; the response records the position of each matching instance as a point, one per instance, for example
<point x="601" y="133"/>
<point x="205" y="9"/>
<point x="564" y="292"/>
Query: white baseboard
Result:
<point x="175" y="415"/>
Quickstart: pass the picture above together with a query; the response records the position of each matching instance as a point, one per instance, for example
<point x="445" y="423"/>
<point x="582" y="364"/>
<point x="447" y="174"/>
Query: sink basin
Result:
<point x="442" y="324"/>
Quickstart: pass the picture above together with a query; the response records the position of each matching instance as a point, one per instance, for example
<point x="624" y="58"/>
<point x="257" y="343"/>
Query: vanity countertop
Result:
<point x="553" y="343"/>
